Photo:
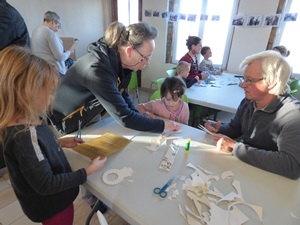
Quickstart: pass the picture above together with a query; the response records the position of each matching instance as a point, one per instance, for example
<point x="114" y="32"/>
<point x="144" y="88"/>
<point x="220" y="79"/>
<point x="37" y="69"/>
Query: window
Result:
<point x="215" y="31"/>
<point x="287" y="36"/>
<point x="128" y="11"/>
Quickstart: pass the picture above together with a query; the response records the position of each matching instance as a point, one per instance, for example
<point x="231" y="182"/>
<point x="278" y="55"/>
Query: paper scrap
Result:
<point x="102" y="146"/>
<point x="168" y="160"/>
<point x="121" y="174"/>
<point x="294" y="216"/>
<point x="75" y="44"/>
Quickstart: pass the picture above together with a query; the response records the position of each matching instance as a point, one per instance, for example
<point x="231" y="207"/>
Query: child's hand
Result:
<point x="96" y="165"/>
<point x="204" y="76"/>
<point x="70" y="142"/>
<point x="219" y="72"/>
<point x="197" y="78"/>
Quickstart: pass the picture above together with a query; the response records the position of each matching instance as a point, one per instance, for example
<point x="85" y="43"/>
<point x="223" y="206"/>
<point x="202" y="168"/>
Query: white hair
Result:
<point x="275" y="70"/>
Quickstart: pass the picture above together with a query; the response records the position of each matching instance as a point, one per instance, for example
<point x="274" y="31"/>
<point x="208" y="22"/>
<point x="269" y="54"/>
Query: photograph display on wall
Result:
<point x="271" y="20"/>
<point x="181" y="16"/>
<point x="155" y="13"/>
<point x="164" y="15"/>
<point x="215" y="17"/>
<point x="253" y="21"/>
<point x="203" y="17"/>
<point x="173" y="17"/>
<point x="238" y="20"/>
<point x="192" y="17"/>
<point x="290" y="17"/>
<point x="148" y="13"/>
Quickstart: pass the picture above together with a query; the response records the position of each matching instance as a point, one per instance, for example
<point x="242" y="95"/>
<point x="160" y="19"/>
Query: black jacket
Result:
<point x="99" y="75"/>
<point x="13" y="30"/>
<point x="39" y="172"/>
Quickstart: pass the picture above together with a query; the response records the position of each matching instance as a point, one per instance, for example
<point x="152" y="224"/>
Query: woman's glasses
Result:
<point x="148" y="59"/>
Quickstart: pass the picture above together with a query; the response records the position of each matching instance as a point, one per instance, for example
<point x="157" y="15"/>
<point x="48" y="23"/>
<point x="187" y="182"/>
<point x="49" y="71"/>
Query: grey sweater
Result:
<point x="270" y="137"/>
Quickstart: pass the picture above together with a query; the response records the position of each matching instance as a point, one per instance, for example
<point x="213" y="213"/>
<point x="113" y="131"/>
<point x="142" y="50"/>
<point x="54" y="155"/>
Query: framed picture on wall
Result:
<point x="238" y="20"/>
<point x="271" y="20"/>
<point x="290" y="17"/>
<point x="253" y="21"/>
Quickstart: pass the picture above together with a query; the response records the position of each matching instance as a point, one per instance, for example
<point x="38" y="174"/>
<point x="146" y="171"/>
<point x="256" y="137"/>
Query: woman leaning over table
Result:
<point x="99" y="81"/>
<point x="194" y="45"/>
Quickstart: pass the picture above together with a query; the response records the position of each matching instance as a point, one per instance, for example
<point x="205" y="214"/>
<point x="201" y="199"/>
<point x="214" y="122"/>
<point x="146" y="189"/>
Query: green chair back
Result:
<point x="295" y="87"/>
<point x="133" y="84"/>
<point x="155" y="95"/>
<point x="171" y="72"/>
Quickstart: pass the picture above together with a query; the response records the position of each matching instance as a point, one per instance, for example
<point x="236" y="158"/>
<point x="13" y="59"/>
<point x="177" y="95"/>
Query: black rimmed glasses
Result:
<point x="147" y="59"/>
<point x="251" y="81"/>
<point x="58" y="24"/>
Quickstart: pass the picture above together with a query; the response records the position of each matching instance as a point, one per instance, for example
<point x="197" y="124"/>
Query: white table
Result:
<point x="135" y="201"/>
<point x="218" y="95"/>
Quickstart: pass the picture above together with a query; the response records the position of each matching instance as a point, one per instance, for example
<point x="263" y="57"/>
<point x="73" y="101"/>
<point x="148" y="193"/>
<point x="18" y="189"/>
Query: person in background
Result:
<point x="46" y="43"/>
<point x="170" y="106"/>
<point x="194" y="45"/>
<point x="40" y="174"/>
<point x="267" y="120"/>
<point x="182" y="71"/>
<point x="282" y="49"/>
<point x="13" y="30"/>
<point x="206" y="64"/>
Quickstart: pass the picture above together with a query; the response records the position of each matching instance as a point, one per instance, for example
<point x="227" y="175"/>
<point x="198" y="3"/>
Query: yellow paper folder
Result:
<point x="102" y="146"/>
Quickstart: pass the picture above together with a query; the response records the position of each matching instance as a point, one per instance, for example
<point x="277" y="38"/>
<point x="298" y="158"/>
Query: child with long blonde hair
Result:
<point x="38" y="168"/>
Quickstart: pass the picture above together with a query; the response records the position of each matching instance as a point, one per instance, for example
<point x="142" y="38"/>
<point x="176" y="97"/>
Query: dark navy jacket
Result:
<point x="99" y="75"/>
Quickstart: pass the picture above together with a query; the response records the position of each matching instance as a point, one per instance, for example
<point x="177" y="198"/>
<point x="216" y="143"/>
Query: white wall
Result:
<point x="87" y="20"/>
<point x="157" y="67"/>
<point x="245" y="41"/>
<point x="83" y="19"/>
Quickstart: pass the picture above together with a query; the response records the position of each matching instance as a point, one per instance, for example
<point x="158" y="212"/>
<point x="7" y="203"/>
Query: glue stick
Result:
<point x="187" y="145"/>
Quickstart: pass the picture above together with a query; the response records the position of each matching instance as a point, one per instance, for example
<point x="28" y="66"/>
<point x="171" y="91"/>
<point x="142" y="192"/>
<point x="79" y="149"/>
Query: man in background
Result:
<point x="13" y="30"/>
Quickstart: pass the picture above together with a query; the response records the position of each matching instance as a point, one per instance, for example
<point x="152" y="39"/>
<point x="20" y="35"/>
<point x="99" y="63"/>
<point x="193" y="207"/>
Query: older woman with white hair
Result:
<point x="267" y="121"/>
<point x="46" y="43"/>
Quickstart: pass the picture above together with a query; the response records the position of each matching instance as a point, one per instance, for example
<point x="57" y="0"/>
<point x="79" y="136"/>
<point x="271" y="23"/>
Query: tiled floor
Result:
<point x="12" y="214"/>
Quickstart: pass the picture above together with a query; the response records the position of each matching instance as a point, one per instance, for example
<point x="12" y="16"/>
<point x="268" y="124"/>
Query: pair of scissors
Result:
<point x="162" y="191"/>
<point x="78" y="135"/>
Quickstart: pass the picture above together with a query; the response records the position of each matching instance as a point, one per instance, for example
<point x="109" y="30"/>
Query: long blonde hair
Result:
<point x="23" y="76"/>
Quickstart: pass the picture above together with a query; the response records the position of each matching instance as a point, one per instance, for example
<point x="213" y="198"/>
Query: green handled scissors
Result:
<point x="162" y="191"/>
